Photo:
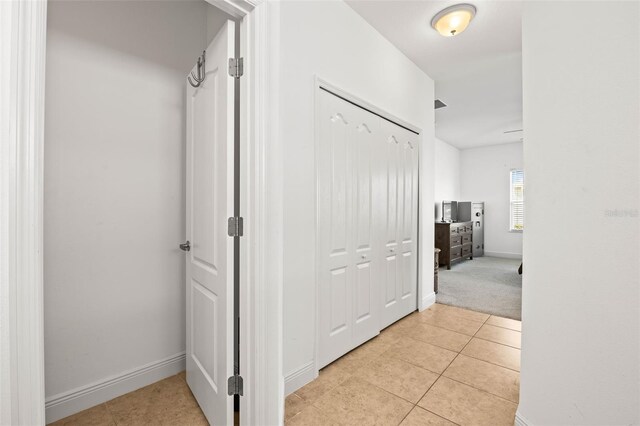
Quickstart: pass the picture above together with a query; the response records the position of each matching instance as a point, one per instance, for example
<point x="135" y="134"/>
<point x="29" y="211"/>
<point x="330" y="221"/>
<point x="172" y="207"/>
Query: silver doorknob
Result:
<point x="186" y="246"/>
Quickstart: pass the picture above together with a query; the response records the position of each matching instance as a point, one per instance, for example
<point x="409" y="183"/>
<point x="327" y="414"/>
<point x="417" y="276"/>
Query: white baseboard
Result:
<point x="521" y="421"/>
<point x="503" y="255"/>
<point x="71" y="402"/>
<point x="427" y="301"/>
<point x="300" y="377"/>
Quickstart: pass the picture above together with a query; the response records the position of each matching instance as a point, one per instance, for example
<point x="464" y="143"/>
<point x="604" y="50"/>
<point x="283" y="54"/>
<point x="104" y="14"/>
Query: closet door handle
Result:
<point x="364" y="256"/>
<point x="186" y="246"/>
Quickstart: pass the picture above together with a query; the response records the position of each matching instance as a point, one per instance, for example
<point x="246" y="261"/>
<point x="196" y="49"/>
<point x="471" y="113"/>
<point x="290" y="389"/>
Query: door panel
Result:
<point x="335" y="268"/>
<point x="209" y="263"/>
<point x="365" y="286"/>
<point x="400" y="230"/>
<point x="391" y="281"/>
<point x="390" y="142"/>
<point x="409" y="230"/>
<point x="364" y="290"/>
<point x="339" y="312"/>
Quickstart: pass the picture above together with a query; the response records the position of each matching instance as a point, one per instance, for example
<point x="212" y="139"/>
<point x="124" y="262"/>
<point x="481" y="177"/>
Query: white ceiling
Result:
<point x="478" y="73"/>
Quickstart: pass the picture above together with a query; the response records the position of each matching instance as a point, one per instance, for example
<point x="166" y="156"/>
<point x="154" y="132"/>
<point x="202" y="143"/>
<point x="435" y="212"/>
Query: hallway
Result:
<point x="443" y="366"/>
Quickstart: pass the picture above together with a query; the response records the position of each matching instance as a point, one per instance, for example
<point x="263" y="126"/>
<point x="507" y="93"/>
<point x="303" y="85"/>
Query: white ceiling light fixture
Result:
<point x="453" y="20"/>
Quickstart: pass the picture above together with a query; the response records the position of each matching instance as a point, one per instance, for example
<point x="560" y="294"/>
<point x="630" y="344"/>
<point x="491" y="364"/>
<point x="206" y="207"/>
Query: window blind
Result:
<point x="516" y="205"/>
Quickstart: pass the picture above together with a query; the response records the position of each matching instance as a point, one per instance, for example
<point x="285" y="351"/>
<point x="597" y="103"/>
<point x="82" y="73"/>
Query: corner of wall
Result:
<point x="521" y="420"/>
<point x="300" y="377"/>
<point x="427" y="301"/>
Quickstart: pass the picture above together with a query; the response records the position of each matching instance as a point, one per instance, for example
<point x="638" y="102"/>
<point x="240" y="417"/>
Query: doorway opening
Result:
<point x="142" y="171"/>
<point x="480" y="188"/>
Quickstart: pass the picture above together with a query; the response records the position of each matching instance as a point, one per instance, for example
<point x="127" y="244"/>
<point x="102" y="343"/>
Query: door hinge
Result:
<point x="236" y="67"/>
<point x="234" y="385"/>
<point x="235" y="227"/>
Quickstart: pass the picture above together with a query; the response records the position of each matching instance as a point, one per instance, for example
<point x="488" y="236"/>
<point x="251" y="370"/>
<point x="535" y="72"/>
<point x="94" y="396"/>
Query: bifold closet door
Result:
<point x="400" y="181"/>
<point x="348" y="269"/>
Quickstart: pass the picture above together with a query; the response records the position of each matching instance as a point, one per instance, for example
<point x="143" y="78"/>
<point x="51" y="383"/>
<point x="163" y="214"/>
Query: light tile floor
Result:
<point x="167" y="402"/>
<point x="443" y="366"/>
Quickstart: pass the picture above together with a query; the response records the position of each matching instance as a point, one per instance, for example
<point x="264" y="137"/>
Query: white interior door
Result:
<point x="209" y="263"/>
<point x="400" y="171"/>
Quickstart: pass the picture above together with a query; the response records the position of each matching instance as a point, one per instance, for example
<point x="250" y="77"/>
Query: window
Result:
<point x="516" y="204"/>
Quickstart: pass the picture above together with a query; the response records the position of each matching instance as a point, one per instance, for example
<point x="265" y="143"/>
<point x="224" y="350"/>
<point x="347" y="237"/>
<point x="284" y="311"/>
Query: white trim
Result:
<point x="521" y="420"/>
<point x="427" y="301"/>
<point x="22" y="58"/>
<point x="67" y="403"/>
<point x="236" y="8"/>
<point x="300" y="377"/>
<point x="502" y="255"/>
<point x="261" y="338"/>
<point x="320" y="82"/>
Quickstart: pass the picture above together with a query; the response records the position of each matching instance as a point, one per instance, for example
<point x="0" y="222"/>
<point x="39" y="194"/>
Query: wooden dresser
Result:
<point x="455" y="240"/>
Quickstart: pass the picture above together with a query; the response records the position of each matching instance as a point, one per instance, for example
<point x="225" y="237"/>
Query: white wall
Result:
<point x="485" y="177"/>
<point x="328" y="39"/>
<point x="581" y="323"/>
<point x="447" y="175"/>
<point x="114" y="186"/>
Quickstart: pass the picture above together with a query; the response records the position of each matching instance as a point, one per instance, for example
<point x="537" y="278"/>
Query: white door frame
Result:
<point x="22" y="56"/>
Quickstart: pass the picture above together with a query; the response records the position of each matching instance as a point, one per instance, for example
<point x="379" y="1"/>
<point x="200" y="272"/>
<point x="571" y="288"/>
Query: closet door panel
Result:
<point x="400" y="229"/>
<point x="363" y="291"/>
<point x="338" y="312"/>
<point x="366" y="288"/>
<point x="407" y="276"/>
<point x="408" y="228"/>
<point x="335" y="209"/>
<point x="391" y="282"/>
<point x="391" y="168"/>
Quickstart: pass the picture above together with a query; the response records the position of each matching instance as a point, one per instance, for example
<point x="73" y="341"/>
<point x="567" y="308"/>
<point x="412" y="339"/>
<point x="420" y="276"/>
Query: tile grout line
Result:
<point x="438" y="415"/>
<point x="492" y="363"/>
<point x="460" y="353"/>
<point x="440" y="375"/>
<point x="486" y="340"/>
<point x="482" y="390"/>
<point x="113" y="418"/>
<point x="463" y="348"/>
<point x="493" y="341"/>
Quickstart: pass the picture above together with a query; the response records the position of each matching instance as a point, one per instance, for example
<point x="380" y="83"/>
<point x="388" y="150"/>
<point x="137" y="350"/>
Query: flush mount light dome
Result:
<point x="453" y="20"/>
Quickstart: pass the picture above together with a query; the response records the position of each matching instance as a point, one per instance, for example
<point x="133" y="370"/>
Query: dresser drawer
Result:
<point x="466" y="250"/>
<point x="456" y="252"/>
<point x="466" y="238"/>
<point x="454" y="229"/>
<point x="456" y="240"/>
